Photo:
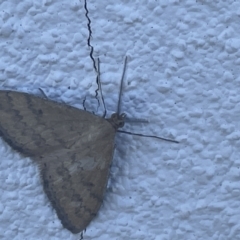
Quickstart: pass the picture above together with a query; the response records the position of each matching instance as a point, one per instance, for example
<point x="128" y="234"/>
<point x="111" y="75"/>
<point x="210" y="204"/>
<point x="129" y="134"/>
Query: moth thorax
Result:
<point x="117" y="120"/>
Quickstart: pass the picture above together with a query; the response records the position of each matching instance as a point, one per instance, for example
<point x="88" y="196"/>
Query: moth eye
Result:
<point x="121" y="124"/>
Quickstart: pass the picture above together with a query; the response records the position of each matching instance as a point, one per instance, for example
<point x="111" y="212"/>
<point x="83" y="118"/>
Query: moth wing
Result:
<point x="73" y="148"/>
<point x="75" y="180"/>
<point x="33" y="125"/>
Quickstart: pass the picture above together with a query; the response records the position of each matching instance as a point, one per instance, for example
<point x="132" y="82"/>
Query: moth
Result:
<point x="72" y="147"/>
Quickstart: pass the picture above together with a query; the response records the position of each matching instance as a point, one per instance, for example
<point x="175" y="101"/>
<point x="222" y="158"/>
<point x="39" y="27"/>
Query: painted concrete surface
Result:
<point x="182" y="75"/>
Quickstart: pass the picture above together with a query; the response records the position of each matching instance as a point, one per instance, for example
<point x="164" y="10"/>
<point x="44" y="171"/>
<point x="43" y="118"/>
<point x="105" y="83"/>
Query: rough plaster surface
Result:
<point x="182" y="75"/>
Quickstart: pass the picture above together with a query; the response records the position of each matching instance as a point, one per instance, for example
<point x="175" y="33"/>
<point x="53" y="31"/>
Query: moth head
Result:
<point x="117" y="120"/>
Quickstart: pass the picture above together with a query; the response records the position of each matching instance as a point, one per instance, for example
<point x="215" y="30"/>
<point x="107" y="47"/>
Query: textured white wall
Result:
<point x="183" y="75"/>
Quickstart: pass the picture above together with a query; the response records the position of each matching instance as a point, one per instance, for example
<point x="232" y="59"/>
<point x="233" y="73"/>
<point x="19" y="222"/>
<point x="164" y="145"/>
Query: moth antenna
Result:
<point x="135" y="120"/>
<point x="100" y="87"/>
<point x="121" y="86"/>
<point x="150" y="136"/>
